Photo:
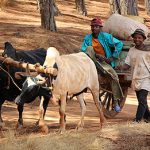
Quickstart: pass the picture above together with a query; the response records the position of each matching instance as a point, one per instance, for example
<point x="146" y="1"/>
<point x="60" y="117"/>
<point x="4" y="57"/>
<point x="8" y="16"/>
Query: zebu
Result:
<point x="76" y="72"/>
<point x="8" y="90"/>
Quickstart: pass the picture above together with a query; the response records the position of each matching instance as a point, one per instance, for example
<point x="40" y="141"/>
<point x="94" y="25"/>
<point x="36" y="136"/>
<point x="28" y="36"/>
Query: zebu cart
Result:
<point x="121" y="27"/>
<point x="106" y="95"/>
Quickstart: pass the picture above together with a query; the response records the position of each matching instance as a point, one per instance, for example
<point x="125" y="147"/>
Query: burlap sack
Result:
<point x="122" y="27"/>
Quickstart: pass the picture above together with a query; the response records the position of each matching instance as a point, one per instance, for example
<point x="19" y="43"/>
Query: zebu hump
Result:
<point x="75" y="60"/>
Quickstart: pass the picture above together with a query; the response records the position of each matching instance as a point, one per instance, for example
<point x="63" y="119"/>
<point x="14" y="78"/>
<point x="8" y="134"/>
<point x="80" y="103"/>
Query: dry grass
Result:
<point x="118" y="137"/>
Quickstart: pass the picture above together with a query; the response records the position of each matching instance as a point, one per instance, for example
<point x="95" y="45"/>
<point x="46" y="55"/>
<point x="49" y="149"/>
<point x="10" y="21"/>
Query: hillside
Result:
<point x="20" y="24"/>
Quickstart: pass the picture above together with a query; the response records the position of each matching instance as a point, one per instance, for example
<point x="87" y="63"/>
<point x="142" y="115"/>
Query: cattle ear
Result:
<point x="9" y="50"/>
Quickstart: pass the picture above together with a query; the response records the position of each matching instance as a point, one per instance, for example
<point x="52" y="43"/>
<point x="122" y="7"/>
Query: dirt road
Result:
<point x="30" y="114"/>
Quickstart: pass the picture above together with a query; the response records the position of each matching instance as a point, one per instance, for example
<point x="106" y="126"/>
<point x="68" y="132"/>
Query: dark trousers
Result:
<point x="142" y="110"/>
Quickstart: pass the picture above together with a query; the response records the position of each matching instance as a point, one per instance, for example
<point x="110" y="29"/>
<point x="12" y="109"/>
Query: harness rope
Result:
<point x="10" y="77"/>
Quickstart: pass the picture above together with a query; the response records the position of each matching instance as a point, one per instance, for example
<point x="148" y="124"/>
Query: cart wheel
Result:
<point x="107" y="100"/>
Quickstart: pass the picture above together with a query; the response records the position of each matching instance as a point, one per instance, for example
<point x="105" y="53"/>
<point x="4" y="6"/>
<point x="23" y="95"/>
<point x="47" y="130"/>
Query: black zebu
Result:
<point x="8" y="90"/>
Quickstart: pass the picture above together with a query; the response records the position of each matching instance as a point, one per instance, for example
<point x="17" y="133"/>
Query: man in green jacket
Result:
<point x="103" y="48"/>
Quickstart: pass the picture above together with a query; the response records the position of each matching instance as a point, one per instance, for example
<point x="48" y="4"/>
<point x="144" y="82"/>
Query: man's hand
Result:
<point x="123" y="67"/>
<point x="119" y="67"/>
<point x="109" y="60"/>
<point x="100" y="58"/>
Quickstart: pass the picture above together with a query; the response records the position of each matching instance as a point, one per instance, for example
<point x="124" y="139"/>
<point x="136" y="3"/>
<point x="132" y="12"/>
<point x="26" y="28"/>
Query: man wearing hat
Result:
<point x="138" y="59"/>
<point x="103" y="48"/>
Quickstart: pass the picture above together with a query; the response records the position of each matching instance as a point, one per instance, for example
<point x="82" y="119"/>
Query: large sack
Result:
<point x="136" y="18"/>
<point x="122" y="27"/>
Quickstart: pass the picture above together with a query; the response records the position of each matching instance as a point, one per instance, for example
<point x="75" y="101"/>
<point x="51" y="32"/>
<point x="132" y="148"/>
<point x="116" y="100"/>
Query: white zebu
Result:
<point x="75" y="73"/>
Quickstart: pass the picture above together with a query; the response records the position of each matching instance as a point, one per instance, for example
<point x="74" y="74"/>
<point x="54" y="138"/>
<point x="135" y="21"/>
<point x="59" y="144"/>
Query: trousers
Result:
<point x="142" y="109"/>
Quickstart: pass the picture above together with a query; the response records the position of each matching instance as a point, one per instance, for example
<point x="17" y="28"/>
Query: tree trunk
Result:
<point x="80" y="6"/>
<point x="47" y="15"/>
<point x="132" y="8"/>
<point x="124" y="7"/>
<point x="147" y="6"/>
<point x="115" y="6"/>
<point x="56" y="10"/>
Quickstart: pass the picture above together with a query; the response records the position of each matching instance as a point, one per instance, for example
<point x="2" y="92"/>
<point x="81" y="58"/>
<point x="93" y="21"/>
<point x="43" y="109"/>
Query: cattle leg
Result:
<point x="41" y="109"/>
<point x="20" y="120"/>
<point x="99" y="107"/>
<point x="1" y="120"/>
<point x="83" y="111"/>
<point x="43" y="105"/>
<point x="62" y="113"/>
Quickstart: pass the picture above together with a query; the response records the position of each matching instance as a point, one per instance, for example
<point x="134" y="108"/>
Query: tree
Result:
<point x="124" y="7"/>
<point x="115" y="6"/>
<point x="47" y="14"/>
<point x="80" y="6"/>
<point x="132" y="8"/>
<point x="147" y="6"/>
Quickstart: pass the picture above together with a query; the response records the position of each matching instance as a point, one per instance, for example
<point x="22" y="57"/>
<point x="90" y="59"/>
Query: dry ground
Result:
<point x="119" y="132"/>
<point x="20" y="25"/>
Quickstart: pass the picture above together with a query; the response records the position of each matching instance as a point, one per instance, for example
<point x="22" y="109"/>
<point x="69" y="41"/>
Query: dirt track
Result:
<point x="30" y="114"/>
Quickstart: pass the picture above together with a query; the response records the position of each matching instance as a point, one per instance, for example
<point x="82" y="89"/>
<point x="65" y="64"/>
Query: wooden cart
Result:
<point x="106" y="95"/>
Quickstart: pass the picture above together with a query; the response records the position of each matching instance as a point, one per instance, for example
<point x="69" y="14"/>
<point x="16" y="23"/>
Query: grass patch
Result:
<point x="123" y="136"/>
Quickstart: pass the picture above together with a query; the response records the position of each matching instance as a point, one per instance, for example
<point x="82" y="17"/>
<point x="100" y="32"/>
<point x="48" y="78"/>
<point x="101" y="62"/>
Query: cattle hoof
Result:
<point x="43" y="127"/>
<point x="61" y="131"/>
<point x="79" y="128"/>
<point x="19" y="126"/>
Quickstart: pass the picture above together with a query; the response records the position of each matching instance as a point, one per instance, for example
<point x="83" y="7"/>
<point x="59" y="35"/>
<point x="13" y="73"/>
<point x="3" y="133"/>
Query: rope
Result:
<point x="10" y="78"/>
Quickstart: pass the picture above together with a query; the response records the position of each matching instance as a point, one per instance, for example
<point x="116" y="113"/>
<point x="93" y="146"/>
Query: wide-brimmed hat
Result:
<point x="96" y="21"/>
<point x="139" y="31"/>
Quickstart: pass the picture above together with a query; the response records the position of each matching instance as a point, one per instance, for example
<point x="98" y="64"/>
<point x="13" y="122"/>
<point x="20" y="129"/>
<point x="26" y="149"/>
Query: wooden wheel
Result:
<point x="107" y="100"/>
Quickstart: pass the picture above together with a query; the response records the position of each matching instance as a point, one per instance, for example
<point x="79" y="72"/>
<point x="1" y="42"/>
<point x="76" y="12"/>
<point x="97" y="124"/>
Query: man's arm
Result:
<point x="87" y="41"/>
<point x="116" y="44"/>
